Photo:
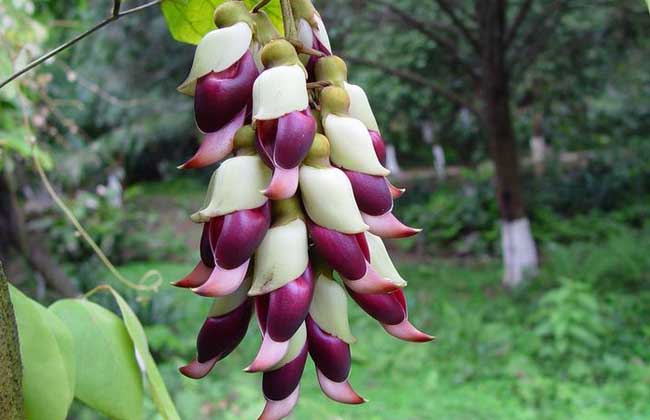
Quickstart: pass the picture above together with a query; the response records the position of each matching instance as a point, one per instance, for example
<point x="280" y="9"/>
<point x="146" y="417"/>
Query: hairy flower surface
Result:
<point x="295" y="213"/>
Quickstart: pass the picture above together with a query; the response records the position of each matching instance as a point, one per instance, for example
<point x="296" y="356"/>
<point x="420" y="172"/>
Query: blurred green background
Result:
<point x="573" y="342"/>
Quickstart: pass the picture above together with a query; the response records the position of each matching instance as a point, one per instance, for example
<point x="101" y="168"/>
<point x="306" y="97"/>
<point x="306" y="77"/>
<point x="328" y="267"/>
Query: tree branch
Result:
<point x="519" y="19"/>
<point x="424" y="29"/>
<point x="537" y="27"/>
<point x="11" y="371"/>
<point x="456" y="20"/>
<point x="115" y="16"/>
<point x="417" y="79"/>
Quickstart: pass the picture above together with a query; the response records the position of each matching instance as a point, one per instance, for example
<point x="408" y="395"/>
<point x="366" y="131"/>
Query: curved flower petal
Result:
<point x="407" y="332"/>
<point x="380" y="260"/>
<point x="287" y="307"/>
<point x="360" y="106"/>
<point x="217" y="50"/>
<point x="281" y="257"/>
<point x="395" y="192"/>
<point x="280" y="383"/>
<point x="341" y="251"/>
<point x="279" y="91"/>
<point x="196" y="278"/>
<point x="371" y="192"/>
<point x="338" y="391"/>
<point x="352" y="146"/>
<point x="236" y="185"/>
<point x="379" y="145"/>
<point x="294" y="136"/>
<point x="388" y="226"/>
<point x="330" y="354"/>
<point x="277" y="410"/>
<point x="329" y="199"/>
<point x="198" y="370"/>
<point x="283" y="185"/>
<point x="219" y="97"/>
<point x="216" y="145"/>
<point x="269" y="354"/>
<point x="371" y="282"/>
<point x="223" y="282"/>
<point x="240" y="235"/>
<point x="385" y="308"/>
<point x="329" y="308"/>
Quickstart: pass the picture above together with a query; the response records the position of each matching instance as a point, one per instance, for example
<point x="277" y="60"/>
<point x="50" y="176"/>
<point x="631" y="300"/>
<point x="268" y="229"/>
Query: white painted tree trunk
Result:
<point x="391" y="160"/>
<point x="519" y="253"/>
<point x="439" y="162"/>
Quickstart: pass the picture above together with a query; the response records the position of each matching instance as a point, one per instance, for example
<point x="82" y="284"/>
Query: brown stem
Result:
<point x="290" y="32"/>
<point x="11" y="371"/>
<point x="260" y="4"/>
<point x="301" y="49"/>
<point x="318" y="85"/>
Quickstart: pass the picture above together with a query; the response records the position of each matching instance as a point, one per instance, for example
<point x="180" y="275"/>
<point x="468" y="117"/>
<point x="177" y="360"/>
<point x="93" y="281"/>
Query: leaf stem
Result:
<point x="290" y="32"/>
<point x="115" y="16"/>
<point x="301" y="48"/>
<point x="260" y="4"/>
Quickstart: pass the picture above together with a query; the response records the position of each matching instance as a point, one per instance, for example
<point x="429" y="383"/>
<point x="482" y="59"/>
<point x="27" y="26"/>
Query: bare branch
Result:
<point x="417" y="79"/>
<point x="443" y="42"/>
<point x="457" y="21"/>
<point x="538" y="33"/>
<point x="519" y="19"/>
<point x="115" y="16"/>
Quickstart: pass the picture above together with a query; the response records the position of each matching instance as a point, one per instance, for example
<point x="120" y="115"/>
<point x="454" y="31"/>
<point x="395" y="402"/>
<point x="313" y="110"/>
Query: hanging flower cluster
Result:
<point x="304" y="195"/>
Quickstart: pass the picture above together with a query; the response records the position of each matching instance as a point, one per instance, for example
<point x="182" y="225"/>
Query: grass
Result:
<point x="490" y="361"/>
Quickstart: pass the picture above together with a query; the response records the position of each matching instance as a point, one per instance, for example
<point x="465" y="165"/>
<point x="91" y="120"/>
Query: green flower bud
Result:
<point x="232" y="12"/>
<point x="334" y="100"/>
<point x="279" y="52"/>
<point x="331" y="69"/>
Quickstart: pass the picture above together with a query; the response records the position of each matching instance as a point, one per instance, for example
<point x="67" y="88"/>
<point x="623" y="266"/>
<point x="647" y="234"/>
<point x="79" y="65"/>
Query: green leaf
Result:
<point x="159" y="392"/>
<point x="46" y="348"/>
<point x="108" y="377"/>
<point x="189" y="20"/>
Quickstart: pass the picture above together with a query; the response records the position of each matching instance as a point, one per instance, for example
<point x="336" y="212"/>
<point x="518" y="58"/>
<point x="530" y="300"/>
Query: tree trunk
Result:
<point x="11" y="375"/>
<point x="13" y="234"/>
<point x="519" y="252"/>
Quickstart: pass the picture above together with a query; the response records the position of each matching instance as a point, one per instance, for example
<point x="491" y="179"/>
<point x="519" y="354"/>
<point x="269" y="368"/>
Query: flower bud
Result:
<point x="220" y="96"/>
<point x="235" y="185"/>
<point x="333" y="69"/>
<point x="282" y="312"/>
<point x="281" y="257"/>
<point x="331" y="355"/>
<point x="222" y="332"/>
<point x="329" y="199"/>
<point x="217" y="51"/>
<point x="391" y="311"/>
<point x="283" y="143"/>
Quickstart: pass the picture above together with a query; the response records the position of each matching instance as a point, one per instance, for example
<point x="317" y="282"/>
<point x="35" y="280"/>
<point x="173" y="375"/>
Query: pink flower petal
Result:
<point x="283" y="184"/>
<point x="216" y="145"/>
<point x="223" y="282"/>
<point x="395" y="192"/>
<point x="387" y="226"/>
<point x="197" y="370"/>
<point x="407" y="332"/>
<point x="372" y="282"/>
<point x="270" y="353"/>
<point x="338" y="391"/>
<point x="196" y="278"/>
<point x="277" y="410"/>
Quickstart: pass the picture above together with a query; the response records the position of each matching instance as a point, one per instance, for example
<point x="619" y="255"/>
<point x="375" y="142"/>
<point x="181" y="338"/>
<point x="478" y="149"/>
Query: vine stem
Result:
<point x="115" y="16"/>
<point x="153" y="287"/>
<point x="290" y="32"/>
<point x="259" y="5"/>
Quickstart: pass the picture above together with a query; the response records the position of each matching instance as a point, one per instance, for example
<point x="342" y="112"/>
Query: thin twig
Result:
<point x="301" y="49"/>
<point x="318" y="85"/>
<point x="76" y="39"/>
<point x="260" y="4"/>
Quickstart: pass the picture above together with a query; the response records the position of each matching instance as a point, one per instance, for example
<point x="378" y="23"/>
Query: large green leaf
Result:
<point x="189" y="20"/>
<point x="159" y="392"/>
<point x="108" y="377"/>
<point x="46" y="349"/>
